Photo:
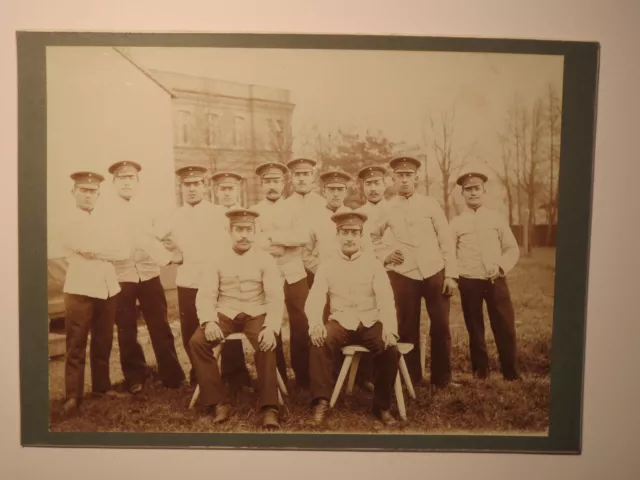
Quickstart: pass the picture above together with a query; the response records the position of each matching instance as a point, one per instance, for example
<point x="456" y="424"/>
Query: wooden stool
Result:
<point x="352" y="355"/>
<point x="282" y="388"/>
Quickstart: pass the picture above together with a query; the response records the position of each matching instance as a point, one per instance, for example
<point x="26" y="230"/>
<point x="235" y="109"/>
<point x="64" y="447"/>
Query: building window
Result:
<point x="213" y="130"/>
<point x="239" y="133"/>
<point x="184" y="127"/>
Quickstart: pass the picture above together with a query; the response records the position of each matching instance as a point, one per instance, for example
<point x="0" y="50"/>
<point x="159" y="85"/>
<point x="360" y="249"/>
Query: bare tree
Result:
<point x="504" y="173"/>
<point x="280" y="140"/>
<point x="530" y="181"/>
<point x="553" y="117"/>
<point x="443" y="142"/>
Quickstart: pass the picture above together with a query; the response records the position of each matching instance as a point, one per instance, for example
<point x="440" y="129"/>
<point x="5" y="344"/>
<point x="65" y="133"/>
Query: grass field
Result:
<point x="477" y="407"/>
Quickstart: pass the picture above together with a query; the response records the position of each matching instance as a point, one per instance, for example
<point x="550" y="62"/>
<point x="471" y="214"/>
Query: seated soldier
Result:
<point x="241" y="291"/>
<point x="362" y="311"/>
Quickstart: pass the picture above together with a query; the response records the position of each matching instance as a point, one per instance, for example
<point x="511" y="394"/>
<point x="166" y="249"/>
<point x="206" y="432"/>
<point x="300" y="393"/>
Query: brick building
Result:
<point x="228" y="126"/>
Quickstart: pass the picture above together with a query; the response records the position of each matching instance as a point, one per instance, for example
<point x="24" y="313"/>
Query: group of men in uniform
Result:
<point x="344" y="276"/>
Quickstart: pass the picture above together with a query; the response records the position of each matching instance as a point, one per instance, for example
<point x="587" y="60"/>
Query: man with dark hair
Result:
<point x="283" y="238"/>
<point x="361" y="311"/>
<point x="487" y="251"/>
<point x="422" y="264"/>
<point x="139" y="278"/>
<point x="241" y="291"/>
<point x="90" y="291"/>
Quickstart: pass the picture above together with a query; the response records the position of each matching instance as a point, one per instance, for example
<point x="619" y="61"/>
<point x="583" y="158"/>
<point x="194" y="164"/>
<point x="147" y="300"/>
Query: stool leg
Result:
<point x="407" y="378"/>
<point x="423" y="355"/>
<point x="195" y="396"/>
<point x="281" y="386"/>
<point x="353" y="372"/>
<point x="400" y="398"/>
<point x="280" y="400"/>
<point x="343" y="374"/>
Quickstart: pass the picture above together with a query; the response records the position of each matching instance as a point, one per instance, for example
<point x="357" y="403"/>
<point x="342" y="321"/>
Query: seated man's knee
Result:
<point x="198" y="340"/>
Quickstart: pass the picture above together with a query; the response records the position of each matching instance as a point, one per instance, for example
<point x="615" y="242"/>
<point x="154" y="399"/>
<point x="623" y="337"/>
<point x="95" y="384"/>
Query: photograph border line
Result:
<point x="579" y="98"/>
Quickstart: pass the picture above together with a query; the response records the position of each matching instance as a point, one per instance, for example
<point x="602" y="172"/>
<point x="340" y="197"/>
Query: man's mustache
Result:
<point x="272" y="191"/>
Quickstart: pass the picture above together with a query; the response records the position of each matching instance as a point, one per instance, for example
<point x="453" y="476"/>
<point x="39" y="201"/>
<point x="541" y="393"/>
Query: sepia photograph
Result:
<point x="241" y="240"/>
<point x="303" y="241"/>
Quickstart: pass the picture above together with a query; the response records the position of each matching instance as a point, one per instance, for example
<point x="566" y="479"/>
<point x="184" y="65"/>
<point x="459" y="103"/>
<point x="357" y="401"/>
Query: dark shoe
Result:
<point x="111" y="394"/>
<point x="135" y="389"/>
<point x="512" y="377"/>
<point x="320" y="411"/>
<point x="270" y="419"/>
<point x="70" y="406"/>
<point x="222" y="413"/>
<point x="385" y="417"/>
<point x="451" y="385"/>
<point x="480" y="375"/>
<point x="368" y="386"/>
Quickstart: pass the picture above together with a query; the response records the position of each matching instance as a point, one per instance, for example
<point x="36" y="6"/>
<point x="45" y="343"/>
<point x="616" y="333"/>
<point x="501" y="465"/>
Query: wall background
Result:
<point x="611" y="388"/>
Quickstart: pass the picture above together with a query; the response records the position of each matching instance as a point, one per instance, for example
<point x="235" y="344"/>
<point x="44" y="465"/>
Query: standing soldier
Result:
<point x="241" y="291"/>
<point x="486" y="251"/>
<point x="197" y="233"/>
<point x="305" y="203"/>
<point x="373" y="187"/>
<point x="362" y="311"/>
<point x="139" y="278"/>
<point x="323" y="243"/>
<point x="423" y="265"/>
<point x="90" y="291"/>
<point x="284" y="238"/>
<point x="226" y="187"/>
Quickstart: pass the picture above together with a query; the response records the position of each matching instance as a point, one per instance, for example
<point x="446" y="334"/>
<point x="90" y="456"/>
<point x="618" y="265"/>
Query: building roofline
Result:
<point x="145" y="72"/>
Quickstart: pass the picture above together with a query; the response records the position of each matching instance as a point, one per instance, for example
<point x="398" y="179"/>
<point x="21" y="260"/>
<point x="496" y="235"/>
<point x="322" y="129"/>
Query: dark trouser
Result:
<point x="501" y="317"/>
<point x="365" y="370"/>
<point x="408" y="295"/>
<point x="385" y="361"/>
<point x="208" y="375"/>
<point x="295" y="296"/>
<point x="153" y="303"/>
<point x="83" y="315"/>
<point x="188" y="321"/>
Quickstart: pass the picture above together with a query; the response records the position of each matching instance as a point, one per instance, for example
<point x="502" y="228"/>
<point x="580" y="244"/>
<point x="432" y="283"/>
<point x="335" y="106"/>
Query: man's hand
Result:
<point x="389" y="339"/>
<point x="318" y="334"/>
<point x="177" y="257"/>
<point x="267" y="339"/>
<point x="168" y="243"/>
<point x="396" y="257"/>
<point x="212" y="332"/>
<point x="493" y="273"/>
<point x="276" y="250"/>
<point x="450" y="285"/>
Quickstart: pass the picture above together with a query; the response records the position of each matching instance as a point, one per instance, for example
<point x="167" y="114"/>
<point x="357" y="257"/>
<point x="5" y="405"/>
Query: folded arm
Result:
<point x="385" y="300"/>
<point x="445" y="239"/>
<point x="207" y="296"/>
<point x="510" y="248"/>
<point x="314" y="306"/>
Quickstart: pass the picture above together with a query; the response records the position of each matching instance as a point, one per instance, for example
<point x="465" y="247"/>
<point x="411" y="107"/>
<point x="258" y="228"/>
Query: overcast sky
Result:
<point x="380" y="90"/>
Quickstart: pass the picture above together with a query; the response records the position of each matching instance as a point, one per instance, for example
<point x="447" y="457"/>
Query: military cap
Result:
<point x="471" y="178"/>
<point x="191" y="173"/>
<point x="271" y="170"/>
<point x="230" y="178"/>
<point x="336" y="177"/>
<point x="125" y="166"/>
<point x="302" y="164"/>
<point x="87" y="179"/>
<point x="350" y="220"/>
<point x="242" y="215"/>
<point x="372" y="171"/>
<point x="405" y="164"/>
